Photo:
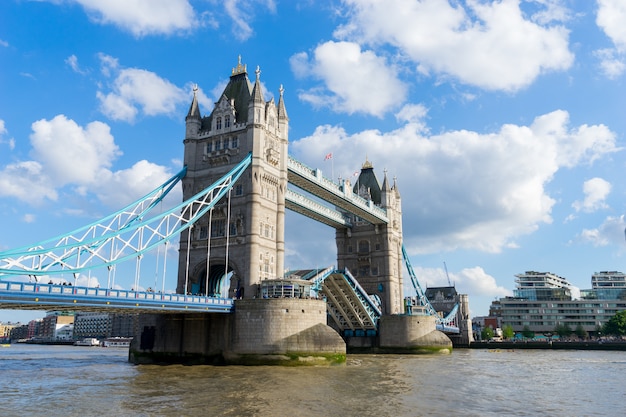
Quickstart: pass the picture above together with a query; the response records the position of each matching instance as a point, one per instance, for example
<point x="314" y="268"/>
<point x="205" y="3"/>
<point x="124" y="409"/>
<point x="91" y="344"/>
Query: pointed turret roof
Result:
<point x="395" y="186"/>
<point x="282" y="111"/>
<point x="368" y="179"/>
<point x="239" y="89"/>
<point x="385" y="187"/>
<point x="194" y="109"/>
<point x="257" y="94"/>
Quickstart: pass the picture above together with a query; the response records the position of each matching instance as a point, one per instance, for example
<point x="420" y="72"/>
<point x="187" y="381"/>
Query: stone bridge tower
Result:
<point x="252" y="225"/>
<point x="373" y="253"/>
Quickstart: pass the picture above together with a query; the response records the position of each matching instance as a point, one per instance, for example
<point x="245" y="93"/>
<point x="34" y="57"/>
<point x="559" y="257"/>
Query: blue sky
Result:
<point x="503" y="121"/>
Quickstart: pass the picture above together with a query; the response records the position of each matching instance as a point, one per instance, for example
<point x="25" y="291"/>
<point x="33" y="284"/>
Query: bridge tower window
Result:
<point x="227" y="121"/>
<point x="218" y="228"/>
<point x="218" y="123"/>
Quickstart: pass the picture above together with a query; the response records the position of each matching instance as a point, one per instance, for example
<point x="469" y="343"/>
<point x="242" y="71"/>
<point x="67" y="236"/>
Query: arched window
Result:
<point x="218" y="123"/>
<point x="227" y="121"/>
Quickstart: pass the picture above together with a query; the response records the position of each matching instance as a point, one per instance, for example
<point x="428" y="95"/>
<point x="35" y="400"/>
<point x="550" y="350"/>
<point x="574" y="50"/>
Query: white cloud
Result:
<point x="4" y="43"/>
<point x="612" y="63"/>
<point x="610" y="232"/>
<point x="487" y="44"/>
<point x="550" y="11"/>
<point x="136" y="89"/>
<point x="476" y="281"/>
<point x="67" y="154"/>
<point x="241" y="12"/>
<point x="355" y="81"/>
<point x="610" y="18"/>
<point x="72" y="61"/>
<point x="596" y="190"/>
<point x="108" y="64"/>
<point x="467" y="189"/>
<point x="143" y="17"/>
<point x="86" y="281"/>
<point x="473" y="281"/>
<point x="3" y="132"/>
<point x="26" y="181"/>
<point x="29" y="218"/>
<point x="413" y="113"/>
<point x="71" y="153"/>
<point x="119" y="188"/>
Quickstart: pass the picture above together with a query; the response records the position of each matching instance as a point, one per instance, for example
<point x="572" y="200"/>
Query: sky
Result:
<point x="502" y="121"/>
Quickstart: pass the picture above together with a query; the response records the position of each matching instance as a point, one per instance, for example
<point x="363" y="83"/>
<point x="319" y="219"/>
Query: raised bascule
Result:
<point x="237" y="183"/>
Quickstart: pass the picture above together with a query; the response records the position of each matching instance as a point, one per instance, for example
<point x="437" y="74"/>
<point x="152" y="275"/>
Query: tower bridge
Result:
<point x="237" y="182"/>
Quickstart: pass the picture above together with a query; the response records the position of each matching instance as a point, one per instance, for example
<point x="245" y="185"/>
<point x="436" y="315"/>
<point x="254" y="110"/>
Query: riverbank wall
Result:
<point x="562" y="345"/>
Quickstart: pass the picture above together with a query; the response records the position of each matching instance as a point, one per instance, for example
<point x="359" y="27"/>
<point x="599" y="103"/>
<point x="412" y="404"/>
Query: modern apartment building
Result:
<point x="543" y="300"/>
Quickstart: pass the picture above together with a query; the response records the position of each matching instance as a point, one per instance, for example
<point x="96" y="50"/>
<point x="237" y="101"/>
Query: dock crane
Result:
<point x="447" y="276"/>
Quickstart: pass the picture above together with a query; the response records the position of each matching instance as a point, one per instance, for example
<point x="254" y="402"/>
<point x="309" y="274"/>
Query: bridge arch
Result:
<point x="219" y="283"/>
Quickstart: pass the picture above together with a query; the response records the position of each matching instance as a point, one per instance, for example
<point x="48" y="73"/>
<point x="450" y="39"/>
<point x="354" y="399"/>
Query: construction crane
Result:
<point x="447" y="276"/>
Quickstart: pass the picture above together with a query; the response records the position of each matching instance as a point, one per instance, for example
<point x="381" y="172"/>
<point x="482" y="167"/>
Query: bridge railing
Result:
<point x="70" y="290"/>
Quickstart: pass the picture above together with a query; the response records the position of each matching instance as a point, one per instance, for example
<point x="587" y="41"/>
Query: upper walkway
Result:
<point x="340" y="195"/>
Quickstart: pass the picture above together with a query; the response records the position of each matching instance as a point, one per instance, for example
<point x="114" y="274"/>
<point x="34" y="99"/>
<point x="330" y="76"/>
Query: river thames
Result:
<point x="93" y="381"/>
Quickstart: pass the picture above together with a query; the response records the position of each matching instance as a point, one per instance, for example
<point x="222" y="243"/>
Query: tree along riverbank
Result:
<point x="554" y="344"/>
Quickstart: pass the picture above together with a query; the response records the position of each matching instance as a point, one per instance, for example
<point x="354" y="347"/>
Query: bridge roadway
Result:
<point x="36" y="296"/>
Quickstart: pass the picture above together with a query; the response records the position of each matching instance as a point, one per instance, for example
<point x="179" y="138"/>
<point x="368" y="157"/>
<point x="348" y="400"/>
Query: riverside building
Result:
<point x="543" y="301"/>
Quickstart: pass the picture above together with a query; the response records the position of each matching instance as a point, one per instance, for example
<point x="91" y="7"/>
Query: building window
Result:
<point x="218" y="145"/>
<point x="238" y="190"/>
<point x="227" y="121"/>
<point x="203" y="232"/>
<point x="234" y="143"/>
<point x="218" y="123"/>
<point x="364" y="246"/>
<point x="218" y="228"/>
<point x="209" y="147"/>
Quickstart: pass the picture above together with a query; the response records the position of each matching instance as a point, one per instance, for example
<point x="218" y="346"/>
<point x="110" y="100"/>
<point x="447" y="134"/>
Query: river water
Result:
<point x="92" y="381"/>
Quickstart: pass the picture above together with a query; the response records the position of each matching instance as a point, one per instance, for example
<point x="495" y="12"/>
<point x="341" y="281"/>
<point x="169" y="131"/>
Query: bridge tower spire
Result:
<point x="373" y="253"/>
<point x="248" y="235"/>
